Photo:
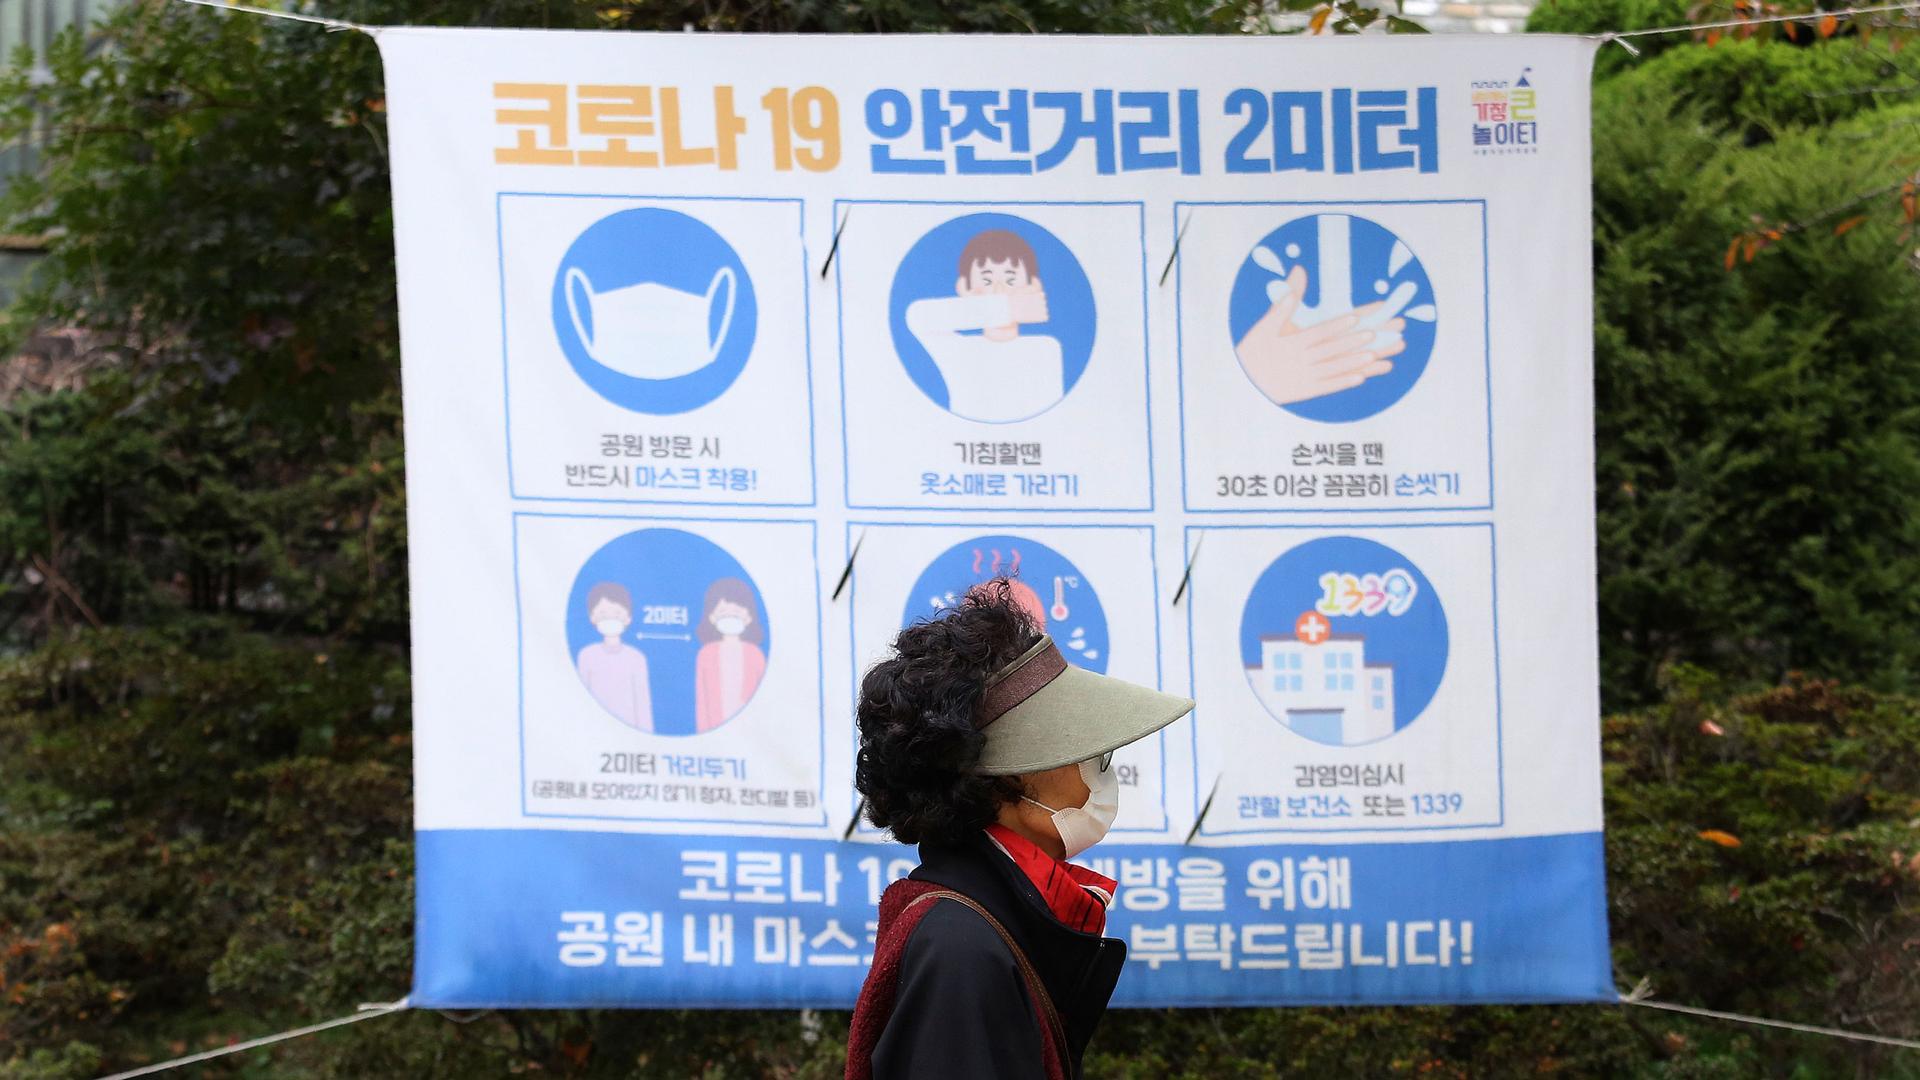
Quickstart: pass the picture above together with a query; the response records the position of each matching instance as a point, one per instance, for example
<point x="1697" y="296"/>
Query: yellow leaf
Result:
<point x="1792" y="29"/>
<point x="1724" y="839"/>
<point x="1848" y="225"/>
<point x="1319" y="21"/>
<point x="1733" y="252"/>
<point x="1828" y="24"/>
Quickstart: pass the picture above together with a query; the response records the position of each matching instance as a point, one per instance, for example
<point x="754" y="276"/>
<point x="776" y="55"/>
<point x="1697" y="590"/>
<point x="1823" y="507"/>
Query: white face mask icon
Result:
<point x="649" y="330"/>
<point x="610" y="627"/>
<point x="731" y="626"/>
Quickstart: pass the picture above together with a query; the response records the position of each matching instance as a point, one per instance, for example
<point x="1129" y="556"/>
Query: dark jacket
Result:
<point x="961" y="1009"/>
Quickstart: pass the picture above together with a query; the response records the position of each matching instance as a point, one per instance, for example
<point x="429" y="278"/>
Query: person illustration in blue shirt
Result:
<point x="993" y="372"/>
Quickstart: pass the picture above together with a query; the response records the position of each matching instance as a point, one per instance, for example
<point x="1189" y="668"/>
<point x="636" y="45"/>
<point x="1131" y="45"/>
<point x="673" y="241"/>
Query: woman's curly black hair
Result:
<point x="918" y="744"/>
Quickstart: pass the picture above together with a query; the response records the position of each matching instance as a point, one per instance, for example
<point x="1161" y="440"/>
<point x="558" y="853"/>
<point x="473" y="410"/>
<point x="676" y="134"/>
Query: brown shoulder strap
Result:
<point x="1055" y="1030"/>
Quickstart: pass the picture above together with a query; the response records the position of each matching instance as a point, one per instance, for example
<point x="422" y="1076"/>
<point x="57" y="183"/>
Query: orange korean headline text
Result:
<point x="649" y="127"/>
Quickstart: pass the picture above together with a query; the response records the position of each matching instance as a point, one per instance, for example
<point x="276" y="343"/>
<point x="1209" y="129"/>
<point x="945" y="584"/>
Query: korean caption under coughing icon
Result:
<point x="654" y="310"/>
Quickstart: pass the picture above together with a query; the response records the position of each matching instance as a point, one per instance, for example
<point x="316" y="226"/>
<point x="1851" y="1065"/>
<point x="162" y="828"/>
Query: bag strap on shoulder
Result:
<point x="1056" y="1031"/>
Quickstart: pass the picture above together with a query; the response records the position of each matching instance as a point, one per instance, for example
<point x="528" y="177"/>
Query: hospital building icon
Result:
<point x="1326" y="691"/>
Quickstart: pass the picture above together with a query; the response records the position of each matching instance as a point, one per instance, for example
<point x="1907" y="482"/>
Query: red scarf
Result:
<point x="1067" y="889"/>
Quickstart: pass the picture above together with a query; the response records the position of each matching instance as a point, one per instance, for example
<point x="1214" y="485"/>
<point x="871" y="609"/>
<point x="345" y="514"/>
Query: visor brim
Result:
<point x="1079" y="715"/>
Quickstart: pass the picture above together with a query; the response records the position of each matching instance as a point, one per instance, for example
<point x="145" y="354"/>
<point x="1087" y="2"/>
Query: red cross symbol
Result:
<point x="1312" y="628"/>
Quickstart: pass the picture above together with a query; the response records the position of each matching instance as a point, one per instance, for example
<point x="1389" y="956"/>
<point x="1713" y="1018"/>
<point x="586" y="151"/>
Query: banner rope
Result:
<point x="1619" y="36"/>
<point x="366" y="1012"/>
<point x="1639" y="996"/>
<point x="333" y="26"/>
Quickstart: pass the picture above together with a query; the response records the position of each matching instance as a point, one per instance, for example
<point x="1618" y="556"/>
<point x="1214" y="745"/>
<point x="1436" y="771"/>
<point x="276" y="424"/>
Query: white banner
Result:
<point x="1264" y="364"/>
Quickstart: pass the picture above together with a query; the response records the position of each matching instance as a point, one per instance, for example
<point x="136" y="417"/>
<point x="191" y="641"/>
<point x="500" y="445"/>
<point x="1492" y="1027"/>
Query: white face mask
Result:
<point x="649" y="330"/>
<point x="731" y="626"/>
<point x="1081" y="827"/>
<point x="610" y="627"/>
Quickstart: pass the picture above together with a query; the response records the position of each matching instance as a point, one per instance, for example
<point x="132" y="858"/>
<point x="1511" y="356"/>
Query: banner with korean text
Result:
<point x="1263" y="364"/>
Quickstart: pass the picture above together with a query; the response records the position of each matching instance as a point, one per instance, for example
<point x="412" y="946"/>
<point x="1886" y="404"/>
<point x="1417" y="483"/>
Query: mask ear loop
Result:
<point x="1105" y="762"/>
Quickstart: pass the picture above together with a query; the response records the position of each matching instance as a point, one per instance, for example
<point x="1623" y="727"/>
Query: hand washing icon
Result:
<point x="650" y="330"/>
<point x="1333" y="317"/>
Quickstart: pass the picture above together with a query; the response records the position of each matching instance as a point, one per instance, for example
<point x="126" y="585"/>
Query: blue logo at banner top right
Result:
<point x="1344" y="640"/>
<point x="1333" y="317"/>
<point x="1504" y="116"/>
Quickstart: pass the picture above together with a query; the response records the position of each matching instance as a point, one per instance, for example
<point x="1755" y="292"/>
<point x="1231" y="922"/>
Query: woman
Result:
<point x="979" y="743"/>
<point x="730" y="664"/>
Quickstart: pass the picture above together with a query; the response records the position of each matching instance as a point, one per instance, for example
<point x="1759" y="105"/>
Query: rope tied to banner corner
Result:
<point x="365" y="1012"/>
<point x="1642" y="995"/>
<point x="333" y="26"/>
<point x="1619" y="37"/>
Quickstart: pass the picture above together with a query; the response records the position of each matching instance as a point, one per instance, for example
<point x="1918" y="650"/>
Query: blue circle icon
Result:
<point x="1344" y="640"/>
<point x="667" y="632"/>
<point x="1053" y="591"/>
<point x="1333" y="317"/>
<point x="992" y="317"/>
<point x="654" y="310"/>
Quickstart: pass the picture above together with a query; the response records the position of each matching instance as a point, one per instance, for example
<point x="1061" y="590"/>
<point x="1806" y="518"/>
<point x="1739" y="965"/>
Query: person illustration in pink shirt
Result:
<point x="731" y="663"/>
<point x="614" y="671"/>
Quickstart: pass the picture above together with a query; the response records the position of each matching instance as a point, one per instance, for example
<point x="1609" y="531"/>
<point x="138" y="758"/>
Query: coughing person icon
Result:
<point x="993" y="372"/>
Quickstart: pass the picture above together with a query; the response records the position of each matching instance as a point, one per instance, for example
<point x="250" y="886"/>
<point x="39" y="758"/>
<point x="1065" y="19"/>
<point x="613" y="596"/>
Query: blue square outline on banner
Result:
<point x="520" y="688"/>
<point x="1159" y="660"/>
<point x="1180" y="365"/>
<point x="1146" y="365"/>
<point x="806" y="307"/>
<point x="1499" y="726"/>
